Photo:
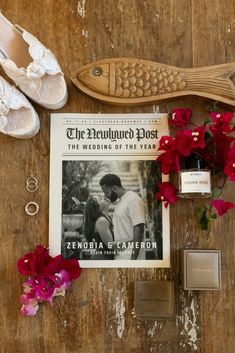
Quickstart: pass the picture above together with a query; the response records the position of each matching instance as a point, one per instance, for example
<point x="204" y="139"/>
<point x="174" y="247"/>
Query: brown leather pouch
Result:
<point x="154" y="300"/>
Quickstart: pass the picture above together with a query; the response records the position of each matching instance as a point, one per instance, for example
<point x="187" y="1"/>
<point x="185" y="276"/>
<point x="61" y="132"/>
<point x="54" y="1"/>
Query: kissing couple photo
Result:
<point x="109" y="211"/>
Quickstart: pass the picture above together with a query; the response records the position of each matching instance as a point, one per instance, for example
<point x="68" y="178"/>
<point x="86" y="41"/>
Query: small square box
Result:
<point x="201" y="269"/>
<point x="154" y="299"/>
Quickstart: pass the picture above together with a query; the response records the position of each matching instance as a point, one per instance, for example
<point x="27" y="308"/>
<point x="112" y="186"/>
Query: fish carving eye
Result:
<point x="97" y="71"/>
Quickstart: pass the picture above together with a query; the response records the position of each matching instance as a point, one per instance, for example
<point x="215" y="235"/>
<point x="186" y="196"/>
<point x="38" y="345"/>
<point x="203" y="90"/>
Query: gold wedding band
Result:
<point x="31" y="208"/>
<point x="32" y="184"/>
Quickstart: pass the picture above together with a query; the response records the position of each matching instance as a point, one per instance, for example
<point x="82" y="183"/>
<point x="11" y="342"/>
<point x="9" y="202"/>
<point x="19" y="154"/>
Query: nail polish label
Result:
<point x="195" y="181"/>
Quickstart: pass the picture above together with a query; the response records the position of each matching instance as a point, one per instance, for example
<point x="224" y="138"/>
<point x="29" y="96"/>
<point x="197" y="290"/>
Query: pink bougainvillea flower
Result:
<point x="41" y="288"/>
<point x="166" y="143"/>
<point x="28" y="299"/>
<point x="221" y="122"/>
<point x="72" y="267"/>
<point x="170" y="161"/>
<point x="40" y="262"/>
<point x="29" y="305"/>
<point x="188" y="140"/>
<point x="49" y="277"/>
<point x="33" y="263"/>
<point x="222" y="206"/>
<point x="42" y="258"/>
<point x="167" y="193"/>
<point x="229" y="168"/>
<point x="198" y="137"/>
<point x="30" y="309"/>
<point x="44" y="291"/>
<point x="183" y="142"/>
<point x="53" y="266"/>
<point x="62" y="278"/>
<point x="180" y="117"/>
<point x="223" y="144"/>
<point x="63" y="282"/>
<point x="231" y="155"/>
<point x="58" y="263"/>
<point x="26" y="264"/>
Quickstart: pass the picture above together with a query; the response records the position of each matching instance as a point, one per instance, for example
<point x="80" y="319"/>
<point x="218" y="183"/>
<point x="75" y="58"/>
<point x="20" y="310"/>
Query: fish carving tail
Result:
<point x="215" y="82"/>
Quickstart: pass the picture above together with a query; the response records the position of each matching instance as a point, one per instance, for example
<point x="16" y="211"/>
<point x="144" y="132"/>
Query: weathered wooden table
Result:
<point x="98" y="307"/>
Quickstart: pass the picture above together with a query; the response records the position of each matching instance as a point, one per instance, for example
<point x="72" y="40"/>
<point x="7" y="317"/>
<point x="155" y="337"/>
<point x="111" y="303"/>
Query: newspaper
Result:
<point x="103" y="183"/>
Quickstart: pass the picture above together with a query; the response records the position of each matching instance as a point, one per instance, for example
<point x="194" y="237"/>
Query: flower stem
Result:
<point x="58" y="312"/>
<point x="192" y="123"/>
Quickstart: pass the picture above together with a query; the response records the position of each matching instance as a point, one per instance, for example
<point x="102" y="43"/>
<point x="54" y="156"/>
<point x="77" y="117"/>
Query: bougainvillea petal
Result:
<point x="166" y="143"/>
<point x="221" y="122"/>
<point x="180" y="117"/>
<point x="29" y="310"/>
<point x="167" y="193"/>
<point x="222" y="206"/>
<point x="170" y="161"/>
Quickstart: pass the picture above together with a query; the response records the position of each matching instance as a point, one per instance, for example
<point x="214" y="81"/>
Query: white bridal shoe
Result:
<point x="17" y="116"/>
<point x="32" y="67"/>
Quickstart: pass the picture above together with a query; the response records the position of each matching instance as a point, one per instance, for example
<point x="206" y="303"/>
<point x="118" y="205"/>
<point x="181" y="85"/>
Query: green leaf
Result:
<point x="208" y="136"/>
<point x="203" y="219"/>
<point x="216" y="192"/>
<point x="201" y="211"/>
<point x="207" y="121"/>
<point x="213" y="216"/>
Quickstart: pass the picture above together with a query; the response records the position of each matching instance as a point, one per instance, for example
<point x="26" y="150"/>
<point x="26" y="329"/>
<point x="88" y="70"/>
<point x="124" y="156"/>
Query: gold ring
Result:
<point x="31" y="208"/>
<point x="32" y="184"/>
<point x="32" y="179"/>
<point x="31" y="188"/>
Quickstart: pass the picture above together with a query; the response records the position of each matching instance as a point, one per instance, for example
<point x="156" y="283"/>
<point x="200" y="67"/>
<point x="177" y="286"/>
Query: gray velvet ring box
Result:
<point x="201" y="269"/>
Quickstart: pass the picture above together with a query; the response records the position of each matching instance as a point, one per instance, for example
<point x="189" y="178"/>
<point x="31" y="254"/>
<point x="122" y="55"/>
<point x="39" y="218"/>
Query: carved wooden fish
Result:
<point x="126" y="81"/>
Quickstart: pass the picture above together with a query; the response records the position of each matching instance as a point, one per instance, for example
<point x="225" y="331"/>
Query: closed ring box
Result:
<point x="201" y="269"/>
<point x="154" y="299"/>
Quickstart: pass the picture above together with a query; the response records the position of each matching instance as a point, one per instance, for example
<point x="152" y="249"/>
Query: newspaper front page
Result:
<point x="103" y="183"/>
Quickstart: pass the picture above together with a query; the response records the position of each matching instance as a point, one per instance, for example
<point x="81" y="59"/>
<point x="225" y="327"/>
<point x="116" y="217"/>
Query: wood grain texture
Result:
<point x="213" y="29"/>
<point x="97" y="308"/>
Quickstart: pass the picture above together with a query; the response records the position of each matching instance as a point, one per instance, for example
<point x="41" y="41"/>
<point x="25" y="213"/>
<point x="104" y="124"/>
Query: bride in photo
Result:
<point x="98" y="227"/>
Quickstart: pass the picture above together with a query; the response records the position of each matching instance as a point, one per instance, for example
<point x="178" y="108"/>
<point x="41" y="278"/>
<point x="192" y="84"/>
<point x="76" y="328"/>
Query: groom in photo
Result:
<point x="128" y="216"/>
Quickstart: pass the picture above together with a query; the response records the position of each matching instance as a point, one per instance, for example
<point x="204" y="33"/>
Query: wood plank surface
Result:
<point x="213" y="29"/>
<point x="97" y="308"/>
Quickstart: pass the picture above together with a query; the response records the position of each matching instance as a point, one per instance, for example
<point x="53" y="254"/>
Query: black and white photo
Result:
<point x="109" y="210"/>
